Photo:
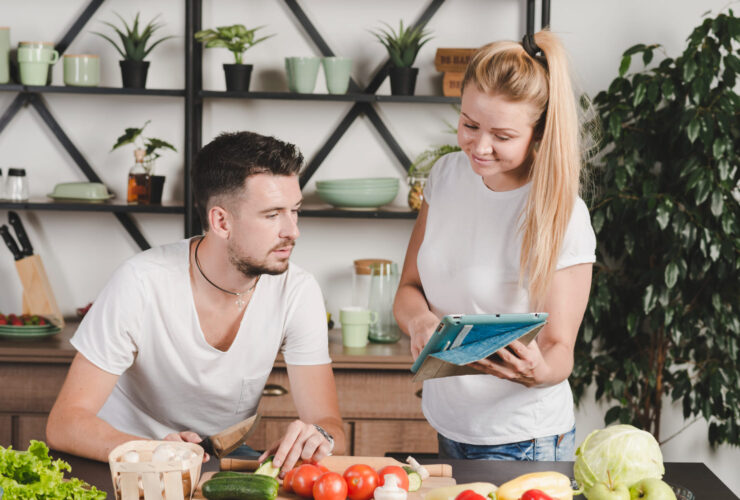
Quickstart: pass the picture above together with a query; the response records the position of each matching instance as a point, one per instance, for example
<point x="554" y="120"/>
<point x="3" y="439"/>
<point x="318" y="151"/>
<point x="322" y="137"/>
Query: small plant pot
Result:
<point x="238" y="76"/>
<point x="133" y="74"/>
<point x="155" y="193"/>
<point x="403" y="80"/>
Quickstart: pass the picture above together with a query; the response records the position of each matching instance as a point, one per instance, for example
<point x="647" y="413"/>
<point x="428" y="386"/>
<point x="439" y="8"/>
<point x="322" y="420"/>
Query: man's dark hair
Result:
<point x="222" y="166"/>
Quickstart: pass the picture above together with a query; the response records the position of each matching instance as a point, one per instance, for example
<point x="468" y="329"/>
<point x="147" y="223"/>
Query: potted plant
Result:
<point x="662" y="321"/>
<point x="133" y="48"/>
<point x="402" y="48"/>
<point x="237" y="39"/>
<point x="143" y="185"/>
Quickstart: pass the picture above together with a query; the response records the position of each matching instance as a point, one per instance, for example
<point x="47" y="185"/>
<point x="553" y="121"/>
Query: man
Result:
<point x="180" y="342"/>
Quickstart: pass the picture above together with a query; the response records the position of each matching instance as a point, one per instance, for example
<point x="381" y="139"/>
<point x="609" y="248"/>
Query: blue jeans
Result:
<point x="546" y="449"/>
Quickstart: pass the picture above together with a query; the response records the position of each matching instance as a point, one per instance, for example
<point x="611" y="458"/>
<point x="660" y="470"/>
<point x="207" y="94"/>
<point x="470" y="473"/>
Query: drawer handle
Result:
<point x="274" y="390"/>
<point x="418" y="393"/>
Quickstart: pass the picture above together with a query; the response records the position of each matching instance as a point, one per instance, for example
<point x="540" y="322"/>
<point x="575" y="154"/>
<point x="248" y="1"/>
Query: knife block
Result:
<point x="38" y="297"/>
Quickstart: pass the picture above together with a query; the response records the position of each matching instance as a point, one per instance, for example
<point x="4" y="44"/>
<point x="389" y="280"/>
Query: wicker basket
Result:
<point x="172" y="480"/>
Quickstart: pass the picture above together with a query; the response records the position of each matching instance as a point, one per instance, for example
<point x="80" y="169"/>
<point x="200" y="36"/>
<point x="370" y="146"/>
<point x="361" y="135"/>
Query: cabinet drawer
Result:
<point x="376" y="438"/>
<point x="269" y="430"/>
<point x="362" y="394"/>
<point x="30" y="387"/>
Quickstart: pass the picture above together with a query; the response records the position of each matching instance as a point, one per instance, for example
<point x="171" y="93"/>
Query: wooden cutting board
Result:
<point x="340" y="463"/>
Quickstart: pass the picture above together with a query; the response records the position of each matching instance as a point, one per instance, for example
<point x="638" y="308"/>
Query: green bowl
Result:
<point x="80" y="191"/>
<point x="358" y="198"/>
<point x="357" y="183"/>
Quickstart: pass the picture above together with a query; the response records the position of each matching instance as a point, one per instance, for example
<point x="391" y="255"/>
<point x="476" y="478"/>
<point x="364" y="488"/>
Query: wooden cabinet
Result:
<point x="379" y="403"/>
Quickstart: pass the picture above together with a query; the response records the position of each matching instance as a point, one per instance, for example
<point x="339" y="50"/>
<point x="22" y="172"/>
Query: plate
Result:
<point x="28" y="335"/>
<point x="90" y="200"/>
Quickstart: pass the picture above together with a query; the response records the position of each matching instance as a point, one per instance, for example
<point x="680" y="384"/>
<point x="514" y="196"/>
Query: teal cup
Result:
<point x="302" y="73"/>
<point x="336" y="72"/>
<point x="4" y="54"/>
<point x="34" y="59"/>
<point x="81" y="70"/>
<point x="356" y="323"/>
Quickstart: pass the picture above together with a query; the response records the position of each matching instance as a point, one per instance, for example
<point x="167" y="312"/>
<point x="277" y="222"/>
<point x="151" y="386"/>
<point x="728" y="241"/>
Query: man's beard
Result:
<point x="250" y="267"/>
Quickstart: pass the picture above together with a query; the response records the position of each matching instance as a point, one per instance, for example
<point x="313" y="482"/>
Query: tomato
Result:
<point x="469" y="495"/>
<point x="330" y="486"/>
<point x="303" y="479"/>
<point x="361" y="481"/>
<point x="535" y="495"/>
<point x="403" y="478"/>
<point x="287" y="480"/>
<point x="323" y="469"/>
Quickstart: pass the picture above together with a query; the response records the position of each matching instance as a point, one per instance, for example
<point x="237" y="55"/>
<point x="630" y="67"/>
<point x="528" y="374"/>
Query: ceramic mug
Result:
<point x="34" y="59"/>
<point x="81" y="70"/>
<point x="4" y="54"/>
<point x="302" y="73"/>
<point x="356" y="323"/>
<point x="337" y="71"/>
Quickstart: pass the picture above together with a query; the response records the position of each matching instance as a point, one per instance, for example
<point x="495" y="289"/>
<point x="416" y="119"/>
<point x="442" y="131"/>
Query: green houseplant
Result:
<point x="237" y="39"/>
<point x="134" y="46"/>
<point x="403" y="47"/>
<point x="143" y="185"/>
<point x="662" y="321"/>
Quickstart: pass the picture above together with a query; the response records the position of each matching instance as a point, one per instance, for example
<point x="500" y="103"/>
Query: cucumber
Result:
<point x="244" y="487"/>
<point x="267" y="469"/>
<point x="414" y="478"/>
<point x="229" y="473"/>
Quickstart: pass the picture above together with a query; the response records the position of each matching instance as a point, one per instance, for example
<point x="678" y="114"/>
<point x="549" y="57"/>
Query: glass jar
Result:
<point x="383" y="285"/>
<point x="139" y="180"/>
<point x="416" y="191"/>
<point x="16" y="186"/>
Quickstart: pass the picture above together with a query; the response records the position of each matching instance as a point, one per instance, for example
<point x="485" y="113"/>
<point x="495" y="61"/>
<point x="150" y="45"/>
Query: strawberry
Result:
<point x="16" y="321"/>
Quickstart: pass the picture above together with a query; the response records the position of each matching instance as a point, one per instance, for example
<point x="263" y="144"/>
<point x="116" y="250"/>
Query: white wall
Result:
<point x="80" y="250"/>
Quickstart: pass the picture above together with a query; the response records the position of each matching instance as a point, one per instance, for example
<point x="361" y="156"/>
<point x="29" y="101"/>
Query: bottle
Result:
<point x="139" y="180"/>
<point x="16" y="187"/>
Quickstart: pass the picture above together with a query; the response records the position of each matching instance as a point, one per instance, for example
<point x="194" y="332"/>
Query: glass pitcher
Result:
<point x="383" y="285"/>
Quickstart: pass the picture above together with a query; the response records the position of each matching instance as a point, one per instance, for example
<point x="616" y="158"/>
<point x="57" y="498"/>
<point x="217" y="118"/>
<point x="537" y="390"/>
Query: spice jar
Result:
<point x="16" y="186"/>
<point x="416" y="191"/>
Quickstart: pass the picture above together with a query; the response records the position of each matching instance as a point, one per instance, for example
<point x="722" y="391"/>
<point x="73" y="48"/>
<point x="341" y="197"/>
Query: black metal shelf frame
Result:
<point x="364" y="99"/>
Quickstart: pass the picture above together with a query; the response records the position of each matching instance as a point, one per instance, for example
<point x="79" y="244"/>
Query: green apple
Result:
<point x="602" y="491"/>
<point x="651" y="488"/>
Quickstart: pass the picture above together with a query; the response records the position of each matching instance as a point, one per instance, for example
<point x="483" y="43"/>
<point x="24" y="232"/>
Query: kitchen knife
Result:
<point x="10" y="242"/>
<point x="20" y="233"/>
<point x="227" y="440"/>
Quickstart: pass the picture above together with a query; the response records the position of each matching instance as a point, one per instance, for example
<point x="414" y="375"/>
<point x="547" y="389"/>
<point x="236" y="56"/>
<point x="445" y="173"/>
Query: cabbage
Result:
<point x="619" y="454"/>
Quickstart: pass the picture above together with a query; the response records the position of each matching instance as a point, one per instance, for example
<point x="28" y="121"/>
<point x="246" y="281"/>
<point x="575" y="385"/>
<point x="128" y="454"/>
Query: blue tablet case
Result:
<point x="464" y="338"/>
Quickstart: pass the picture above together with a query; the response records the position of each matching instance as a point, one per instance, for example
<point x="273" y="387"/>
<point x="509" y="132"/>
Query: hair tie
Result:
<point x="531" y="48"/>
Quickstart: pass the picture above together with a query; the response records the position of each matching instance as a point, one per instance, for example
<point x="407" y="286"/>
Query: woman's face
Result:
<point x="496" y="134"/>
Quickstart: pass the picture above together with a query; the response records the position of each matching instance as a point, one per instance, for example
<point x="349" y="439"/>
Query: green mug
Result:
<point x="34" y="59"/>
<point x="337" y="71"/>
<point x="356" y="323"/>
<point x="4" y="54"/>
<point x="81" y="70"/>
<point x="302" y="73"/>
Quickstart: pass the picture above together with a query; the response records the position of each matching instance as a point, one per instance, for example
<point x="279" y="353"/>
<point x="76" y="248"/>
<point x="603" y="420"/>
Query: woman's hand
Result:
<point x="188" y="437"/>
<point x="421" y="330"/>
<point x="301" y="441"/>
<point x="520" y="363"/>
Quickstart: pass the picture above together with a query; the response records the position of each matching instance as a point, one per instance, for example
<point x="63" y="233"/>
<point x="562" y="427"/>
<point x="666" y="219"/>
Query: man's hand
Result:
<point x="188" y="437"/>
<point x="301" y="441"/>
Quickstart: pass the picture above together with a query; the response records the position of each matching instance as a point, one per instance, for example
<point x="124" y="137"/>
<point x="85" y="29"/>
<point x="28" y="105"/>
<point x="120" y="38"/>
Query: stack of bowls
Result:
<point x="358" y="193"/>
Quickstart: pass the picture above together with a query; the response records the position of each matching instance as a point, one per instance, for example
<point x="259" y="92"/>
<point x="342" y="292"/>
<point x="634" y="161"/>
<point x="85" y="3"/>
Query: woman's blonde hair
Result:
<point x="506" y="69"/>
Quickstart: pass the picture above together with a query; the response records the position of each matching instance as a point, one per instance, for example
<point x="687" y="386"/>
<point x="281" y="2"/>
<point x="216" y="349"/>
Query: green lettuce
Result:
<point x="619" y="454"/>
<point x="33" y="475"/>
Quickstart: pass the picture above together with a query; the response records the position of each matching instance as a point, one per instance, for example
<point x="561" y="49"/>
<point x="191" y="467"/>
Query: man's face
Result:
<point x="265" y="224"/>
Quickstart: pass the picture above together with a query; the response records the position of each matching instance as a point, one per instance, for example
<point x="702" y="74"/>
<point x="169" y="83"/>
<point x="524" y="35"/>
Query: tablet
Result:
<point x="478" y="334"/>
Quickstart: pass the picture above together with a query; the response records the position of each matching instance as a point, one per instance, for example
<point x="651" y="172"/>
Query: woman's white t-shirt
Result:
<point x="144" y="327"/>
<point x="469" y="264"/>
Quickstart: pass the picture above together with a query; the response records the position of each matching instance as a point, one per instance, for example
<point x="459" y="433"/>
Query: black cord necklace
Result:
<point x="239" y="300"/>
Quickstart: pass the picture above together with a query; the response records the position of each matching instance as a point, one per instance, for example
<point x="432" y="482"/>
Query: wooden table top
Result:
<point x="694" y="476"/>
<point x="57" y="349"/>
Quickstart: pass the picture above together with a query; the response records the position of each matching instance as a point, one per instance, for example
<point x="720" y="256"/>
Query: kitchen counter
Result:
<point x="695" y="476"/>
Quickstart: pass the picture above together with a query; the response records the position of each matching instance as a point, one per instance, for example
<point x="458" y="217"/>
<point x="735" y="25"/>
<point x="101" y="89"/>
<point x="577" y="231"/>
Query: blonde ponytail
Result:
<point x="505" y="68"/>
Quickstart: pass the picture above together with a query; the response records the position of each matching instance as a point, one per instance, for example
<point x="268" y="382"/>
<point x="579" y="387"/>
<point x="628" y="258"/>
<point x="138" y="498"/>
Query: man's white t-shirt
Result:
<point x="469" y="264"/>
<point x="144" y="327"/>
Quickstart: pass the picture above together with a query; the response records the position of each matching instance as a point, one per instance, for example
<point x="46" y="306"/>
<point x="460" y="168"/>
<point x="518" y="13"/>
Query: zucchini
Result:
<point x="267" y="469"/>
<point x="245" y="487"/>
<point x="414" y="478"/>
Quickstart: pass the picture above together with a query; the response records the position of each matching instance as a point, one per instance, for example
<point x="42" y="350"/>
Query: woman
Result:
<point x="502" y="230"/>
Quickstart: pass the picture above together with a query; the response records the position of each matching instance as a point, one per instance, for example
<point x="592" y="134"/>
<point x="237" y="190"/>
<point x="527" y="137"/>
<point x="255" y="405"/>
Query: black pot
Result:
<point x="155" y="193"/>
<point x="133" y="73"/>
<point x="403" y="80"/>
<point x="238" y="76"/>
